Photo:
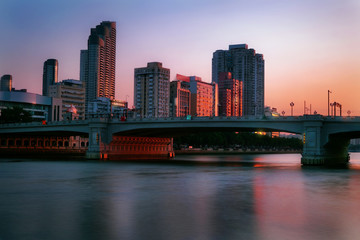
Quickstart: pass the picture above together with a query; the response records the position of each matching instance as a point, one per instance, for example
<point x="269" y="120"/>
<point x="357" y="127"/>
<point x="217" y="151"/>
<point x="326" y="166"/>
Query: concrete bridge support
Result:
<point x="321" y="148"/>
<point x="98" y="136"/>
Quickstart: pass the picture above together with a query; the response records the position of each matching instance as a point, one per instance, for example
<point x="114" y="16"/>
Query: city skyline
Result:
<point x="308" y="47"/>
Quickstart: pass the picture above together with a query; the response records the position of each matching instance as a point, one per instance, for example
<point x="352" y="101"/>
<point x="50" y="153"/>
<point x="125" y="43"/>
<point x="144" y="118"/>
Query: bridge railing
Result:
<point x="217" y="118"/>
<point x="117" y="119"/>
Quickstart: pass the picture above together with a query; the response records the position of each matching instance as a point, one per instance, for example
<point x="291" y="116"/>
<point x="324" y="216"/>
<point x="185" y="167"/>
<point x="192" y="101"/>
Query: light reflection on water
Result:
<point x="196" y="197"/>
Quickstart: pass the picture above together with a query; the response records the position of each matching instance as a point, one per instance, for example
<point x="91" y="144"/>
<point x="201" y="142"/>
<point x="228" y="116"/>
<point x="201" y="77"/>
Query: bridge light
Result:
<point x="304" y="138"/>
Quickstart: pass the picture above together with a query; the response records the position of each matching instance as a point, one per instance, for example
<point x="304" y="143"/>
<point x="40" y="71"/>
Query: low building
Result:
<point x="72" y="93"/>
<point x="105" y="106"/>
<point x="180" y="103"/>
<point x="40" y="107"/>
<point x="202" y="97"/>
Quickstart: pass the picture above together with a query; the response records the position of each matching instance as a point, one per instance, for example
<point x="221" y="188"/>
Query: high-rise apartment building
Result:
<point x="50" y="75"/>
<point x="202" y="97"/>
<point x="180" y="102"/>
<point x="152" y="90"/>
<point x="230" y="95"/>
<point x="97" y="63"/>
<point x="6" y="83"/>
<point x="247" y="66"/>
<point x="72" y="94"/>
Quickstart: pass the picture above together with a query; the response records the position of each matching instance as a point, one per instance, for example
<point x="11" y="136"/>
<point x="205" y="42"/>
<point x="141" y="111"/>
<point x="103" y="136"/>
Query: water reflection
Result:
<point x="231" y="197"/>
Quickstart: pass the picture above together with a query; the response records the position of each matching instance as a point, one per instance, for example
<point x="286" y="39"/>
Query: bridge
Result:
<point x="325" y="138"/>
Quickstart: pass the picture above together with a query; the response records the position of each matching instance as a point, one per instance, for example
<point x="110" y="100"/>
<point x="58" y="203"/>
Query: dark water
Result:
<point x="248" y="197"/>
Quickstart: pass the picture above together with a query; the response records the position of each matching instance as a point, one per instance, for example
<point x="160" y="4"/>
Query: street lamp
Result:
<point x="292" y="105"/>
<point x="329" y="104"/>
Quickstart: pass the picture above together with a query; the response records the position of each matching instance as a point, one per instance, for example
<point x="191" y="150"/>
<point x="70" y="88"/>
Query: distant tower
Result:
<point x="247" y="66"/>
<point x="152" y="90"/>
<point x="97" y="63"/>
<point x="50" y="75"/>
<point x="6" y="83"/>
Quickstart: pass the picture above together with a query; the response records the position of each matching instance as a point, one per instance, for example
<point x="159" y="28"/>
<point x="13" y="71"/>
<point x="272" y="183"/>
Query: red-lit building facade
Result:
<point x="180" y="103"/>
<point x="203" y="97"/>
<point x="230" y="95"/>
<point x="189" y="95"/>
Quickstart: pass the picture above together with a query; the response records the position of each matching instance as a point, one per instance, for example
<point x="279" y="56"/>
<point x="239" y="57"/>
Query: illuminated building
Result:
<point x="247" y="66"/>
<point x="230" y="95"/>
<point x="180" y="103"/>
<point x="152" y="90"/>
<point x="104" y="105"/>
<point x="272" y="112"/>
<point x="50" y="75"/>
<point x="202" y="97"/>
<point x="72" y="93"/>
<point x="6" y="83"/>
<point x="97" y="63"/>
<point x="40" y="107"/>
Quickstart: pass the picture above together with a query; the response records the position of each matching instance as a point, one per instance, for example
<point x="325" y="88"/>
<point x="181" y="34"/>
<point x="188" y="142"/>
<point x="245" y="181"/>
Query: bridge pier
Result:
<point x="320" y="148"/>
<point x="97" y="137"/>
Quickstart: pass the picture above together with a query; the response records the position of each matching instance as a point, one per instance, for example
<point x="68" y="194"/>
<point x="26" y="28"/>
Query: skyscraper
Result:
<point x="6" y="83"/>
<point x="247" y="66"/>
<point x="152" y="90"/>
<point x="50" y="75"/>
<point x="97" y="63"/>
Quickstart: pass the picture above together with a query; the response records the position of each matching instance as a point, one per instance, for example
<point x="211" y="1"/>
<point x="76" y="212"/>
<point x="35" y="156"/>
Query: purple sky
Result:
<point x="308" y="46"/>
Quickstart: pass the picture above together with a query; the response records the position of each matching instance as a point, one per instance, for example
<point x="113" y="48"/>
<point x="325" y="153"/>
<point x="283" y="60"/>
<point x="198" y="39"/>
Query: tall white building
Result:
<point x="152" y="90"/>
<point x="97" y="63"/>
<point x="247" y="66"/>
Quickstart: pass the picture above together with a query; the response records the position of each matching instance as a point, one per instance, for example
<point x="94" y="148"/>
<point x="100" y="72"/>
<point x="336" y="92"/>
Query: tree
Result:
<point x="15" y="115"/>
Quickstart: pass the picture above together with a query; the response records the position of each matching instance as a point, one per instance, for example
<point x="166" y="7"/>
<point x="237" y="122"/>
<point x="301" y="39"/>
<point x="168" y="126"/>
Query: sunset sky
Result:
<point x="308" y="46"/>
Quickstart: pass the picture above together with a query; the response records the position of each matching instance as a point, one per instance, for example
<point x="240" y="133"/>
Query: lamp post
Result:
<point x="331" y="106"/>
<point x="292" y="105"/>
<point x="329" y="102"/>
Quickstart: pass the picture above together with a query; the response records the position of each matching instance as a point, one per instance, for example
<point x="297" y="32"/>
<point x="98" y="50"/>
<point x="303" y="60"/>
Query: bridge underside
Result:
<point x="176" y="132"/>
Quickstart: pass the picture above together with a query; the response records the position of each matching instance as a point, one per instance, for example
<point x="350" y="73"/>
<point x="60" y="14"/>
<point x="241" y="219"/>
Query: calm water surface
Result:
<point x="202" y="197"/>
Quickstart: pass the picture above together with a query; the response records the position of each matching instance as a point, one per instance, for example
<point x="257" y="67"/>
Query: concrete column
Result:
<point x="98" y="137"/>
<point x="313" y="149"/>
<point x="322" y="149"/>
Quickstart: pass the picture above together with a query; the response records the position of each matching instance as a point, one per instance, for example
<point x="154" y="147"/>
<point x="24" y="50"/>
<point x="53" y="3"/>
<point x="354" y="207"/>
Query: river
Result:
<point x="269" y="196"/>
